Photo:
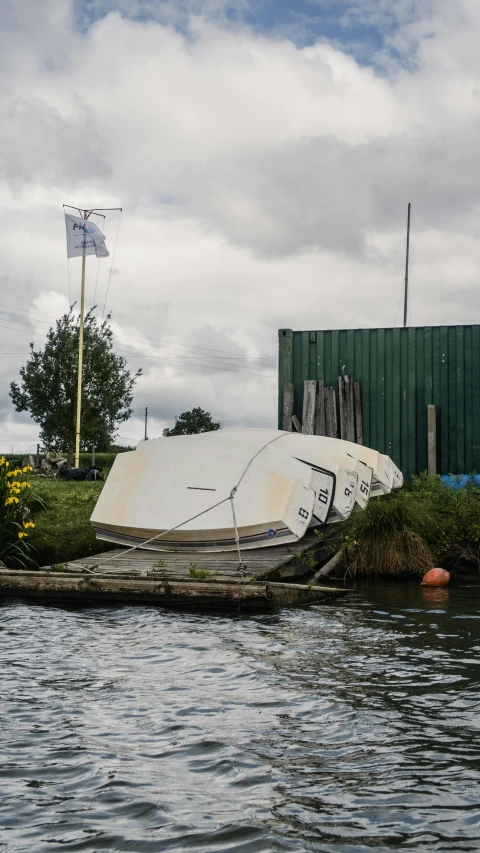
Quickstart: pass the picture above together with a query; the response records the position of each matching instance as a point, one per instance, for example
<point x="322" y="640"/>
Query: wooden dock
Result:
<point x="176" y="579"/>
<point x="282" y="562"/>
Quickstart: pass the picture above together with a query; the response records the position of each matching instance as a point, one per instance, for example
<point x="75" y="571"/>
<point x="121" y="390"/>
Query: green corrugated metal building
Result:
<point x="400" y="371"/>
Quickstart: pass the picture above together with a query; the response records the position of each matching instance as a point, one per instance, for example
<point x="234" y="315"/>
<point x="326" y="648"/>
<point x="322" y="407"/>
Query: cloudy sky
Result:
<point x="263" y="152"/>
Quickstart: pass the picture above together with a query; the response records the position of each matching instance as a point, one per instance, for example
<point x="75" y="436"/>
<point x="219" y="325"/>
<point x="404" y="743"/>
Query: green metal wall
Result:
<point x="401" y="371"/>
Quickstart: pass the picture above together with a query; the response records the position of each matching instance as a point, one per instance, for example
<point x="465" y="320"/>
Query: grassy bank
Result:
<point x="63" y="531"/>
<point x="410" y="531"/>
<point x="404" y="533"/>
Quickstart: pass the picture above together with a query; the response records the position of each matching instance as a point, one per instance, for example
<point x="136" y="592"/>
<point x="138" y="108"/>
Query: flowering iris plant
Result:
<point x="15" y="515"/>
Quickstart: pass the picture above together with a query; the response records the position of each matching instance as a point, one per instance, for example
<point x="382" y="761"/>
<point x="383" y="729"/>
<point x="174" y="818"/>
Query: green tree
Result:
<point x="191" y="423"/>
<point x="48" y="387"/>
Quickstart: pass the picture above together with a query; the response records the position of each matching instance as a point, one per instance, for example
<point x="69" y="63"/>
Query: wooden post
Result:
<point x="296" y="423"/>
<point x="331" y="427"/>
<point x="342" y="407"/>
<point x="432" y="439"/>
<point x="288" y="392"/>
<point x="349" y="409"/>
<point x="37" y="462"/>
<point x="320" y="409"/>
<point x="358" y="413"/>
<point x="309" y="400"/>
<point x="93" y="455"/>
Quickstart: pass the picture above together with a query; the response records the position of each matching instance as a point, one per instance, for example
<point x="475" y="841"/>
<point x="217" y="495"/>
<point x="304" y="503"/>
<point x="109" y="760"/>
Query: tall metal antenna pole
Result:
<point x="146" y="420"/>
<point x="80" y="359"/>
<point x="405" y="304"/>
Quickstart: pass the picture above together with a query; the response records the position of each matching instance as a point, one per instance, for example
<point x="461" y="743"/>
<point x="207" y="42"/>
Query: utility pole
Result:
<point x="405" y="304"/>
<point x="146" y="421"/>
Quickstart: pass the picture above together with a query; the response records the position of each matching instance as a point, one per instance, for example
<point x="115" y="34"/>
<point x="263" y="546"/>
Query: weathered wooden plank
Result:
<point x="358" y="412"/>
<point x="58" y="587"/>
<point x="349" y="408"/>
<point x="342" y="407"/>
<point x="319" y="427"/>
<point x="296" y="423"/>
<point x="309" y="400"/>
<point x="259" y="562"/>
<point x="331" y="426"/>
<point x="288" y="393"/>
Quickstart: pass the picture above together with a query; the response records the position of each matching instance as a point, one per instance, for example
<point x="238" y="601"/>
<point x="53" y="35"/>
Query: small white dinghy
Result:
<point x="201" y="492"/>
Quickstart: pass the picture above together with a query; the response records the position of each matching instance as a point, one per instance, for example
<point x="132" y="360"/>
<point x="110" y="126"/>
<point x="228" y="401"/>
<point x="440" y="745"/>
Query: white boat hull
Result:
<point x="181" y="493"/>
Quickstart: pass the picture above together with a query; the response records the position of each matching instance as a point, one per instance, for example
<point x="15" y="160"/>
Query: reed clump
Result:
<point x="389" y="538"/>
<point x="411" y="530"/>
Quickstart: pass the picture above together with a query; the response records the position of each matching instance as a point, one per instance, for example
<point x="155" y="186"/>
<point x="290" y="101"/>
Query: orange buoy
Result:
<point x="436" y="577"/>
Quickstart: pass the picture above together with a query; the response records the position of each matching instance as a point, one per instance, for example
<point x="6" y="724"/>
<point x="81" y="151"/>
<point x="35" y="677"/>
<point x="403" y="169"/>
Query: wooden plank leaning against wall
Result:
<point x="323" y="413"/>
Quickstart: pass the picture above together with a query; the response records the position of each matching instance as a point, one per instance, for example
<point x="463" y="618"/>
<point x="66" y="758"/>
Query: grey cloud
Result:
<point x="323" y="194"/>
<point x="39" y="144"/>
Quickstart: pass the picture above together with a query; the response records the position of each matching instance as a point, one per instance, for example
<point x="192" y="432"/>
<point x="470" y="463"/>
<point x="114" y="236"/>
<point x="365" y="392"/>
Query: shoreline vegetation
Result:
<point x="425" y="524"/>
<point x="405" y="533"/>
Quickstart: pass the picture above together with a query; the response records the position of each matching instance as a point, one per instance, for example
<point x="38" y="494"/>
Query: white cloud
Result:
<point x="263" y="185"/>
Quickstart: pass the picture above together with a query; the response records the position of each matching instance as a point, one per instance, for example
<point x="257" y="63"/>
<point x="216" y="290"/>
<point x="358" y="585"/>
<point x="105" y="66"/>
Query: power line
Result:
<point x="25" y="331"/>
<point x="244" y="361"/>
<point x="160" y="340"/>
<point x="207" y="366"/>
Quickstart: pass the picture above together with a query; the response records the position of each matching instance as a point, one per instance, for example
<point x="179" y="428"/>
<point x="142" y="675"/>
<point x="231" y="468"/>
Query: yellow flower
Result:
<point x="11" y="474"/>
<point x="2" y="461"/>
<point x="28" y="524"/>
<point x="11" y="501"/>
<point x="22" y="535"/>
<point x="27" y="469"/>
<point x="15" y="484"/>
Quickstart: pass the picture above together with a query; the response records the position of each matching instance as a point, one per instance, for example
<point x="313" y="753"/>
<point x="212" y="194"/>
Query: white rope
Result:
<point x="111" y="265"/>
<point x="96" y="282"/>
<point x="69" y="285"/>
<point x="182" y="523"/>
<point x="237" y="537"/>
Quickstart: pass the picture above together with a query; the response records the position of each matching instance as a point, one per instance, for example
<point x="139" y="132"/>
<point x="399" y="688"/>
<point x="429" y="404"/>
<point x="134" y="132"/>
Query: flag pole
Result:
<point x="80" y="358"/>
<point x="84" y="214"/>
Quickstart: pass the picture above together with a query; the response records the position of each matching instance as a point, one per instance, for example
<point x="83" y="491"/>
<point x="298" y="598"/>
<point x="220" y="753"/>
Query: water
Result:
<point x="349" y="727"/>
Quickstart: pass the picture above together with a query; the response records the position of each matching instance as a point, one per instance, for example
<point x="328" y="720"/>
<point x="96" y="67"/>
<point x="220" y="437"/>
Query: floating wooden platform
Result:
<point x="235" y="593"/>
<point x="177" y="579"/>
<point x="279" y="563"/>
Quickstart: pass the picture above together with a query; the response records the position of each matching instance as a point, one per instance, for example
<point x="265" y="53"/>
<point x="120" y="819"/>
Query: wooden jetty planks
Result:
<point x="99" y="589"/>
<point x="309" y="405"/>
<point x="259" y="562"/>
<point x="288" y="392"/>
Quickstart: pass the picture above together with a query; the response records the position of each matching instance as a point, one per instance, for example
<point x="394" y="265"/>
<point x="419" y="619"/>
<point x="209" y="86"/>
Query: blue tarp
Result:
<point x="459" y="481"/>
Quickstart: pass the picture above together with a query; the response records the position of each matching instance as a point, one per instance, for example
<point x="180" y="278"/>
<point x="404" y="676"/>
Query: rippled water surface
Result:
<point x="348" y="727"/>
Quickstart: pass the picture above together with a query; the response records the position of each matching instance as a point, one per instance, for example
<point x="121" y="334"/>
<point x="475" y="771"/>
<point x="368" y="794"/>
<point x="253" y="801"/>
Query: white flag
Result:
<point x="84" y="238"/>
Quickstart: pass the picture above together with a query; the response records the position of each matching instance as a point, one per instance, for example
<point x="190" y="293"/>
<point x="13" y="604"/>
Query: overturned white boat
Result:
<point x="217" y="490"/>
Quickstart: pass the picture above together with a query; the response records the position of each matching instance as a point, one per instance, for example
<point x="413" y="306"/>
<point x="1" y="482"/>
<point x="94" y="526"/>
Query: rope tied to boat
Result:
<point x="242" y="567"/>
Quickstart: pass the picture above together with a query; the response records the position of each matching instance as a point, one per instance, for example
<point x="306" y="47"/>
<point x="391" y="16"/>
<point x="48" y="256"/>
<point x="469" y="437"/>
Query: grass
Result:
<point x="411" y="530"/>
<point x="404" y="533"/>
<point x="63" y="531"/>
